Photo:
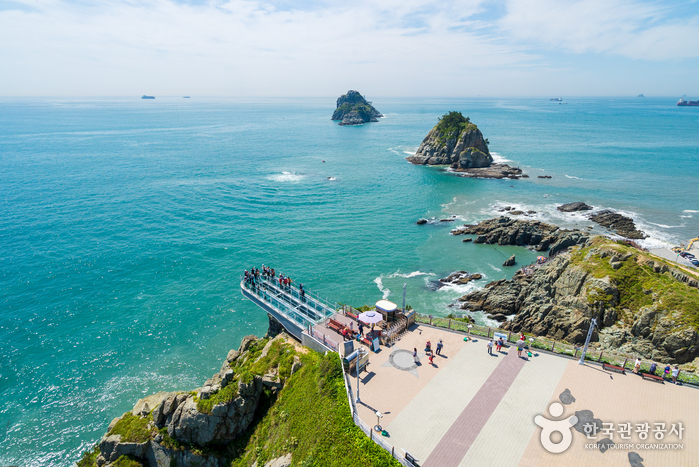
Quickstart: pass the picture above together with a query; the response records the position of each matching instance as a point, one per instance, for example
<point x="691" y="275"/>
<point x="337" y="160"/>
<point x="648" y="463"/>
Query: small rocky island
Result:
<point x="457" y="142"/>
<point x="354" y="109"/>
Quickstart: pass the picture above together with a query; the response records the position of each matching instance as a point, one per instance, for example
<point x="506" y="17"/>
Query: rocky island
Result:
<point x="354" y="109"/>
<point x="457" y="142"/>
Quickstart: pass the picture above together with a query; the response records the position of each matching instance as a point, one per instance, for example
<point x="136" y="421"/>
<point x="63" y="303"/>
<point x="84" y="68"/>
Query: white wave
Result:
<point x="286" y="177"/>
<point x="576" y="178"/>
<point x="460" y="289"/>
<point x="498" y="158"/>
<point x="495" y="268"/>
<point x="332" y="179"/>
<point x="379" y="283"/>
<point x="412" y="274"/>
<point x="686" y="217"/>
<point x="689" y="210"/>
<point x="667" y="226"/>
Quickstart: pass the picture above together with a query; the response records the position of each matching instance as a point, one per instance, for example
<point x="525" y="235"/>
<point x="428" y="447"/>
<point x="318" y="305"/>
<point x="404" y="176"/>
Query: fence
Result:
<point x="375" y="437"/>
<point x="625" y="361"/>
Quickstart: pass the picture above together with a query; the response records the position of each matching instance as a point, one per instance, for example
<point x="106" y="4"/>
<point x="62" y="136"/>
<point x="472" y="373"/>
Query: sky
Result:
<point x="463" y="48"/>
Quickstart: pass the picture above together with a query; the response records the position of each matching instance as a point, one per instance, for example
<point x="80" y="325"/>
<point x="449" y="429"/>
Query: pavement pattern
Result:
<point x="472" y="408"/>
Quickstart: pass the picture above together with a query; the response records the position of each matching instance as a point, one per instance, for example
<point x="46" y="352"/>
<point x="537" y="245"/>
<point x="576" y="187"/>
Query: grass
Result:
<point x="89" y="458"/>
<point x="133" y="429"/>
<point x="451" y="125"/>
<point x="126" y="461"/>
<point x="280" y="355"/>
<point x="639" y="286"/>
<point x="311" y="419"/>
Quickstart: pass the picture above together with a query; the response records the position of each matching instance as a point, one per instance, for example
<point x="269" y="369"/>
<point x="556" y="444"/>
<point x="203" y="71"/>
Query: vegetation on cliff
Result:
<point x="301" y="411"/>
<point x="639" y="285"/>
<point x="311" y="419"/>
<point x="453" y="124"/>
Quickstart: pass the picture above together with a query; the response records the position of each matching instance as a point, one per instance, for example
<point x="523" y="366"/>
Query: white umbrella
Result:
<point x="370" y="317"/>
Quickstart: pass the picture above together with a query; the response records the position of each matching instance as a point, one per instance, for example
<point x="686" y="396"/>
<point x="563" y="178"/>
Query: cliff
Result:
<point x="353" y="109"/>
<point x="456" y="142"/>
<point x="643" y="305"/>
<point x="272" y="403"/>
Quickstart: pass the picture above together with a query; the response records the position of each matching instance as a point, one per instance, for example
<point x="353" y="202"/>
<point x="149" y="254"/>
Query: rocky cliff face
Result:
<point x="354" y="109"/>
<point x="192" y="428"/>
<point x="461" y="148"/>
<point x="642" y="305"/>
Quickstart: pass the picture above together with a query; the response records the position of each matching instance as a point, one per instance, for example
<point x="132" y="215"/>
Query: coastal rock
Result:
<point x="454" y="141"/>
<point x="559" y="298"/>
<point x="498" y="171"/>
<point x="574" y="207"/>
<point x="460" y="277"/>
<point x="544" y="176"/>
<point x="421" y="221"/>
<point x="354" y="109"/>
<point x="508" y="231"/>
<point x="621" y="224"/>
<point x="509" y="261"/>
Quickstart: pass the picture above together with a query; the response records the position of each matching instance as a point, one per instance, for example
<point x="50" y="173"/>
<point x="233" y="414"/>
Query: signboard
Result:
<point x="375" y="344"/>
<point x="498" y="335"/>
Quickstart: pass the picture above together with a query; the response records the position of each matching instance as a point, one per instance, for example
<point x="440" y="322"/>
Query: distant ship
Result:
<point x="185" y="97"/>
<point x="556" y="99"/>
<point x="683" y="102"/>
<point x="640" y="95"/>
<point x="147" y="97"/>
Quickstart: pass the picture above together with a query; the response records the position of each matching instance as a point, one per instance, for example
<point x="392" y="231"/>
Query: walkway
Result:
<point x="471" y="408"/>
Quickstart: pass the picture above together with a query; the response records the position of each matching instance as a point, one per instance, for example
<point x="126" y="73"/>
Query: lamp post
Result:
<point x="593" y="323"/>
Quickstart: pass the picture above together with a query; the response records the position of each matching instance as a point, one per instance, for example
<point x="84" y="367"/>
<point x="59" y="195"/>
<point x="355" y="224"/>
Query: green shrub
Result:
<point x="132" y="428"/>
<point x="89" y="458"/>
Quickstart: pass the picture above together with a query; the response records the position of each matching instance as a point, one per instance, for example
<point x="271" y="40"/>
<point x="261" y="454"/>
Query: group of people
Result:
<point x="428" y="351"/>
<point x="498" y="343"/>
<point x="668" y="372"/>
<point x="253" y="277"/>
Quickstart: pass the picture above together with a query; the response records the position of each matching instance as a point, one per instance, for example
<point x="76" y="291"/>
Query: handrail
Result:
<point x="623" y="360"/>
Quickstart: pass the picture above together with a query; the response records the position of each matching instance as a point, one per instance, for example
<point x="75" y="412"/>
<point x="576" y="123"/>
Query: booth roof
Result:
<point x="385" y="305"/>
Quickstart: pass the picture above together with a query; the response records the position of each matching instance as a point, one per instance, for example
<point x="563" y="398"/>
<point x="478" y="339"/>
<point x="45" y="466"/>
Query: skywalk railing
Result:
<point x="626" y="361"/>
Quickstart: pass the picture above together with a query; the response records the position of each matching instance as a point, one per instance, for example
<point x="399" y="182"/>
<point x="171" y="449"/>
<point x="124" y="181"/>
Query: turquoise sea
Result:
<point x="125" y="224"/>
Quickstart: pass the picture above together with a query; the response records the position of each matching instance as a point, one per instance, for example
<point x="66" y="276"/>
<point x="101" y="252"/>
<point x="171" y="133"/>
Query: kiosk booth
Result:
<point x="387" y="309"/>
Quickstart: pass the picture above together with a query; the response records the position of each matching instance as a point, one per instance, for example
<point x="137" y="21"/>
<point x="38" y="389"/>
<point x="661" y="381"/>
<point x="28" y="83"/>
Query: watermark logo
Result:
<point x="548" y="427"/>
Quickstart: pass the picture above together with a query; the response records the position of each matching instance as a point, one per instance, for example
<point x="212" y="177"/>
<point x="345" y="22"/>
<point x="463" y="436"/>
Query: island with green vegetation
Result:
<point x="457" y="142"/>
<point x="354" y="109"/>
<point x="273" y="402"/>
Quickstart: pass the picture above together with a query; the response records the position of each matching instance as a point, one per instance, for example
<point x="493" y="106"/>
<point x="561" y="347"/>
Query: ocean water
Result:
<point x="125" y="224"/>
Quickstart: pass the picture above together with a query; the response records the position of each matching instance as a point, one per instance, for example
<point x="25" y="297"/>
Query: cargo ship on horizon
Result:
<point x="683" y="102"/>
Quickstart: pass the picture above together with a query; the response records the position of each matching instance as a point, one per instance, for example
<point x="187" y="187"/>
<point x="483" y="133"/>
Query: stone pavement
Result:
<point x="471" y="408"/>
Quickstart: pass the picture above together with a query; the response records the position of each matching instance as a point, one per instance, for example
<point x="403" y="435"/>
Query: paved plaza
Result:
<point x="471" y="408"/>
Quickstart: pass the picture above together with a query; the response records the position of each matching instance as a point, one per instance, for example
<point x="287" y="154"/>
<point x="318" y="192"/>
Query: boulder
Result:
<point x="144" y="406"/>
<point x="509" y="261"/>
<point x="421" y="221"/>
<point x="574" y="207"/>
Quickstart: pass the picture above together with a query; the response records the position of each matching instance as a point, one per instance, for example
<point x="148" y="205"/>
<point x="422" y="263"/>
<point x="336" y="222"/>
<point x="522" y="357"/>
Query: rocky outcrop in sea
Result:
<point x="455" y="142"/>
<point x="619" y="223"/>
<point x="354" y="109"/>
<point x="508" y="231"/>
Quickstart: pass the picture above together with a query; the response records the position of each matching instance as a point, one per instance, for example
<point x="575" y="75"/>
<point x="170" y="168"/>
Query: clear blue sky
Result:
<point x="323" y="48"/>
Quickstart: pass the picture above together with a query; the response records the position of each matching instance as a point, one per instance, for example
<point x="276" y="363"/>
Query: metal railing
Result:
<point x="376" y="438"/>
<point x="625" y="361"/>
